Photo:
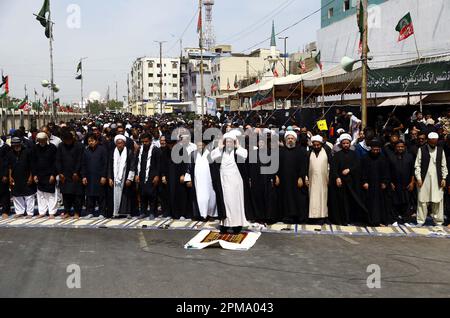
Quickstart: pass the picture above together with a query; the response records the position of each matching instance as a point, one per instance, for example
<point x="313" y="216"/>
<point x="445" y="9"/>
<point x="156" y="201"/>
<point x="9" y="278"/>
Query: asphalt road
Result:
<point x="145" y="263"/>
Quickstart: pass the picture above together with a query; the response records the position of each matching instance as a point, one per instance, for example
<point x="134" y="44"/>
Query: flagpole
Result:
<point x="364" y="67"/>
<point x="417" y="47"/>
<point x="52" y="81"/>
<point x="200" y="5"/>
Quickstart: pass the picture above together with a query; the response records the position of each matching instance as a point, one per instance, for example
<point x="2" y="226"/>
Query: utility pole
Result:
<point x="202" y="84"/>
<point x="160" y="75"/>
<point x="285" y="54"/>
<point x="81" y="83"/>
<point x="248" y="72"/>
<point x="364" y="67"/>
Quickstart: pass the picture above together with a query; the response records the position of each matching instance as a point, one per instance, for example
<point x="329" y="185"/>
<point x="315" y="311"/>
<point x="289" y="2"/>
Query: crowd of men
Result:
<point x="120" y="165"/>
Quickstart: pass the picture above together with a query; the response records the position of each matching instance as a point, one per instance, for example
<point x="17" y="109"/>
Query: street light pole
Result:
<point x="285" y="54"/>
<point x="160" y="74"/>
<point x="364" y="67"/>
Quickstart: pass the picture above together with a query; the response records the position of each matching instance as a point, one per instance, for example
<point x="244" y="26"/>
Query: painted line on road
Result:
<point x="142" y="241"/>
<point x="348" y="240"/>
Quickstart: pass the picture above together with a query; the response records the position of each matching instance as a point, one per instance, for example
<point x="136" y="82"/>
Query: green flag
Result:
<point x="405" y="27"/>
<point x="43" y="19"/>
<point x="318" y="60"/>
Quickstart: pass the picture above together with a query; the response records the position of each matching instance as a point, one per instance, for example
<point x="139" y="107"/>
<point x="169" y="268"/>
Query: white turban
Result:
<point x="229" y="136"/>
<point x="120" y="137"/>
<point x="41" y="135"/>
<point x="340" y="131"/>
<point x="106" y="126"/>
<point x="290" y="133"/>
<point x="345" y="137"/>
<point x="433" y="135"/>
<point x="317" y="138"/>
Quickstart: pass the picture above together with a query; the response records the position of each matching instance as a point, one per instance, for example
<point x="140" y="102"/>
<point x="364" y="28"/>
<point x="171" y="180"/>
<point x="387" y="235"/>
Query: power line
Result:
<point x="250" y="29"/>
<point x="292" y="25"/>
<point x="184" y="32"/>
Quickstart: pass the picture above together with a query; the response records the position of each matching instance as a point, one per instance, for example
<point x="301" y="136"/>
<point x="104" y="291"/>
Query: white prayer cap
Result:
<point x="128" y="126"/>
<point x="340" y="131"/>
<point x="106" y="126"/>
<point x="345" y="137"/>
<point x="433" y="135"/>
<point x="317" y="138"/>
<point x="350" y="114"/>
<point x="290" y="133"/>
<point x="236" y="132"/>
<point x="229" y="136"/>
<point x="120" y="137"/>
<point x="41" y="135"/>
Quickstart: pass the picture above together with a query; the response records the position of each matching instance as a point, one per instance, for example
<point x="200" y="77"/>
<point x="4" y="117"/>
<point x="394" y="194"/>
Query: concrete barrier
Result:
<point x="13" y="119"/>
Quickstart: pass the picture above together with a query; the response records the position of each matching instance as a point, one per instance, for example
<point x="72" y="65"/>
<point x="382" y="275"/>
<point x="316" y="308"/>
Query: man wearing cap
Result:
<point x="345" y="176"/>
<point x="68" y="164"/>
<point x="23" y="189"/>
<point x="147" y="176"/>
<point x="121" y="172"/>
<point x="94" y="174"/>
<point x="318" y="162"/>
<point x="292" y="173"/>
<point x="375" y="179"/>
<point x="431" y="174"/>
<point x="44" y="174"/>
<point x="230" y="180"/>
<point x="5" y="196"/>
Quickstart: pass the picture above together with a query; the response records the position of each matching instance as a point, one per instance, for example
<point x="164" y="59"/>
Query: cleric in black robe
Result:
<point x="94" y="173"/>
<point x="68" y="164"/>
<point x="147" y="175"/>
<point x="178" y="192"/>
<point x="263" y="187"/>
<point x="375" y="180"/>
<point x="167" y="173"/>
<point x="5" y="196"/>
<point x="401" y="167"/>
<point x="291" y="174"/>
<point x="121" y="172"/>
<point x="346" y="205"/>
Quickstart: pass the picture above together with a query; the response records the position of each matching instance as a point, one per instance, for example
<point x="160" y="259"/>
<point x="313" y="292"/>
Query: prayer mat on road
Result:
<point x="314" y="229"/>
<point x="428" y="231"/>
<point x="280" y="227"/>
<point x="349" y="230"/>
<point x="235" y="242"/>
<point x="386" y="231"/>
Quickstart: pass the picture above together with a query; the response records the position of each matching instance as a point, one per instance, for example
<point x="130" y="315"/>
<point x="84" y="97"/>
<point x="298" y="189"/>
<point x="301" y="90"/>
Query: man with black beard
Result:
<point x="5" y="196"/>
<point x="401" y="168"/>
<point x="345" y="177"/>
<point x="291" y="174"/>
<point x="147" y="176"/>
<point x="431" y="174"/>
<point x="375" y="178"/>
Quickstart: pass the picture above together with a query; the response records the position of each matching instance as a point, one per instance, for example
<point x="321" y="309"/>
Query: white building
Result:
<point x="339" y="35"/>
<point x="145" y="80"/>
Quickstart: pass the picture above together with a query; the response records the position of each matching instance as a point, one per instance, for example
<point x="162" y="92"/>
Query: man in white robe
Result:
<point x="232" y="183"/>
<point x="317" y="180"/>
<point x="199" y="179"/>
<point x="121" y="177"/>
<point x="431" y="173"/>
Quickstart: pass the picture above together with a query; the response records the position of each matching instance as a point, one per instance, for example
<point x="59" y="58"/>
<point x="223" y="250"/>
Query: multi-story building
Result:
<point x="192" y="76"/>
<point x="146" y="78"/>
<point x="339" y="34"/>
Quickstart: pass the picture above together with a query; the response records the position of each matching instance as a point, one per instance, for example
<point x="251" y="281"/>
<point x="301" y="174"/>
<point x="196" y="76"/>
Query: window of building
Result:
<point x="330" y="13"/>
<point x="150" y="84"/>
<point x="150" y="74"/>
<point x="346" y="5"/>
<point x="150" y="94"/>
<point x="175" y="95"/>
<point x="159" y="75"/>
<point x="175" y="65"/>
<point x="150" y="64"/>
<point x="175" y="85"/>
<point x="158" y="65"/>
<point x="175" y="75"/>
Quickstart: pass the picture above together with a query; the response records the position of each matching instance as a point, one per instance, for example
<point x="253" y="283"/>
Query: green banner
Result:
<point x="429" y="77"/>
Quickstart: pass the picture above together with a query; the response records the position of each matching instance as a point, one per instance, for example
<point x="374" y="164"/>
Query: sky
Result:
<point x="113" y="33"/>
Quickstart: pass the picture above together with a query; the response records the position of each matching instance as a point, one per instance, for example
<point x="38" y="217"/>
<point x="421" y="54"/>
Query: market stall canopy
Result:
<point x="403" y="101"/>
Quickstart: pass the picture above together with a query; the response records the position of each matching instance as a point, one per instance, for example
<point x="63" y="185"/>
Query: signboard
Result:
<point x="430" y="77"/>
